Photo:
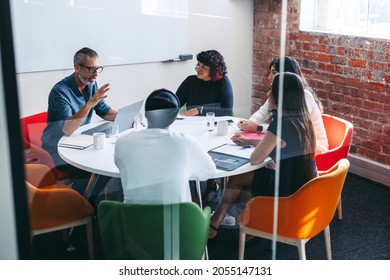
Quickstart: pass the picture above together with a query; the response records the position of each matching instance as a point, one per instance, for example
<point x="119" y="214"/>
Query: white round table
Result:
<point x="101" y="162"/>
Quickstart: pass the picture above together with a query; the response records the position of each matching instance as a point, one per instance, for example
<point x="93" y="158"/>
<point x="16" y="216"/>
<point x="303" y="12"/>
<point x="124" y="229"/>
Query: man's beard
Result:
<point x="85" y="81"/>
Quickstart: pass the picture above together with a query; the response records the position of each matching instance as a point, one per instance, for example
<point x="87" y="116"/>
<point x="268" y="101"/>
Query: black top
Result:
<point x="295" y="168"/>
<point x="214" y="96"/>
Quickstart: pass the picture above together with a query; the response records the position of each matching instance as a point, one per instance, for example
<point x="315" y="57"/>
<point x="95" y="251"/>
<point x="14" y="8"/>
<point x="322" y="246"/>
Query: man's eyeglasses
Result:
<point x="93" y="69"/>
<point x="200" y="65"/>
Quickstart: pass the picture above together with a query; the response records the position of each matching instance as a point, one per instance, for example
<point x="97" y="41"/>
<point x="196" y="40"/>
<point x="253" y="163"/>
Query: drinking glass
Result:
<point x="114" y="133"/>
<point x="140" y="122"/>
<point x="210" y="121"/>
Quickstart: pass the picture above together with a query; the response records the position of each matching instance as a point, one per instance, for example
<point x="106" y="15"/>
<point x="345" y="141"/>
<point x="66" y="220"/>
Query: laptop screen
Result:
<point x="124" y="119"/>
<point x="126" y="115"/>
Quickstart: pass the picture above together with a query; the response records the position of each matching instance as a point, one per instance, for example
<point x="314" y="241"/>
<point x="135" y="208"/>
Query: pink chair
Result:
<point x="339" y="133"/>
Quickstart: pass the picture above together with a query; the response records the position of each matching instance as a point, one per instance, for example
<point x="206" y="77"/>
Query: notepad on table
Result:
<point x="80" y="142"/>
<point x="252" y="135"/>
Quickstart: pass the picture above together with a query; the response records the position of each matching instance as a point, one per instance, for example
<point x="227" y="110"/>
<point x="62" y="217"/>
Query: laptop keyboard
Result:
<point x="227" y="162"/>
<point x="104" y="127"/>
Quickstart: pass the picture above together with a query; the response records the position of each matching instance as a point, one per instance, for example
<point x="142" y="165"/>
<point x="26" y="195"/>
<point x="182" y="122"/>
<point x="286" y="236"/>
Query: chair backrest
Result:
<point x="52" y="204"/>
<point x="39" y="175"/>
<point x="303" y="214"/>
<point x="32" y="128"/>
<point x="171" y="231"/>
<point x="339" y="133"/>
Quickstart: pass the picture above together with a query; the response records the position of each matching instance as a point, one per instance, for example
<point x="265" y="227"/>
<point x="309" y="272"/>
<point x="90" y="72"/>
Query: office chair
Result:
<point x="153" y="232"/>
<point x="32" y="130"/>
<point x="339" y="133"/>
<point x="55" y="206"/>
<point x="301" y="215"/>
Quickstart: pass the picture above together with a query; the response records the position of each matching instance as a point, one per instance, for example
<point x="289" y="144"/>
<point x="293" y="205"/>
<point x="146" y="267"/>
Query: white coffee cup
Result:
<point x="222" y="127"/>
<point x="99" y="139"/>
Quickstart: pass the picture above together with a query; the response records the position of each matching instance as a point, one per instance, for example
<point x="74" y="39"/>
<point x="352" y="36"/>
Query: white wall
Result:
<point x="224" y="25"/>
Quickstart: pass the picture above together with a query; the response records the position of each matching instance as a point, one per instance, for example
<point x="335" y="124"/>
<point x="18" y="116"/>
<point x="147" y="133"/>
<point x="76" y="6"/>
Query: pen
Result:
<point x="244" y="145"/>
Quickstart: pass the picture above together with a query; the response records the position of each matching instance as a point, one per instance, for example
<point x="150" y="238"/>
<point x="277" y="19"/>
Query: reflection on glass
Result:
<point x="170" y="8"/>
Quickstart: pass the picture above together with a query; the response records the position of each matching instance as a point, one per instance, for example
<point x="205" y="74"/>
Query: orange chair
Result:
<point x="301" y="215"/>
<point x="55" y="206"/>
<point x="339" y="133"/>
<point x="32" y="130"/>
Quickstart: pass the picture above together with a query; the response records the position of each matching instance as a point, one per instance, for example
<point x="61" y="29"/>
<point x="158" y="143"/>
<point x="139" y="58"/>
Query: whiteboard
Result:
<point x="47" y="33"/>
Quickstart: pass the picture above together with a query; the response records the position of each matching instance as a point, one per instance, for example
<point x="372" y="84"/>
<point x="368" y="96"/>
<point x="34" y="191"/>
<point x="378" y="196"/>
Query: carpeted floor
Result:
<point x="363" y="234"/>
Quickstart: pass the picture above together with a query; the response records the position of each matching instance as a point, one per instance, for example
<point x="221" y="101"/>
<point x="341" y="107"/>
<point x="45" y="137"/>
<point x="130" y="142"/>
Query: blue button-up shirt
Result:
<point x="65" y="100"/>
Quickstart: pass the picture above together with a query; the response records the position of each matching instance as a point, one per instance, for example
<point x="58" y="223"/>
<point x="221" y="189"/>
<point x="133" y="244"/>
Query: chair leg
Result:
<point x="241" y="245"/>
<point x="340" y="210"/>
<point x="224" y="182"/>
<point x="301" y="249"/>
<point x="327" y="243"/>
<point x="65" y="235"/>
<point x="105" y="192"/>
<point x="206" y="254"/>
<point x="70" y="248"/>
<point x="88" y="226"/>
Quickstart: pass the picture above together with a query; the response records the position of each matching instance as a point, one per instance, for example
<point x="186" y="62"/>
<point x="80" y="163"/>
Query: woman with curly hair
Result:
<point x="209" y="90"/>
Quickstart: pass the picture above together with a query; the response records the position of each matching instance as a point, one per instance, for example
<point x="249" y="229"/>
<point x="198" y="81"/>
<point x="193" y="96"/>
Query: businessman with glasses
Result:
<point x="71" y="104"/>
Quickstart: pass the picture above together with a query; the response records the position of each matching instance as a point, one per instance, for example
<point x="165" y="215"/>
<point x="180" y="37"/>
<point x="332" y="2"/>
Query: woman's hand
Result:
<point x="247" y="125"/>
<point x="271" y="165"/>
<point x="240" y="140"/>
<point x="190" y="112"/>
<point x="245" y="141"/>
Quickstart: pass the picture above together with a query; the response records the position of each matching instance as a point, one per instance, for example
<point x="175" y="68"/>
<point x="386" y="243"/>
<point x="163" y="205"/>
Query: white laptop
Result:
<point x="124" y="119"/>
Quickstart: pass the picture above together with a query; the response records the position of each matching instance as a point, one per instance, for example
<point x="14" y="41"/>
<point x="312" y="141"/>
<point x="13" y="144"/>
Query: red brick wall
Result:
<point x="350" y="74"/>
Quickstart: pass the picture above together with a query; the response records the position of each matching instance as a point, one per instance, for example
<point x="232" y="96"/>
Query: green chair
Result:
<point x="153" y="232"/>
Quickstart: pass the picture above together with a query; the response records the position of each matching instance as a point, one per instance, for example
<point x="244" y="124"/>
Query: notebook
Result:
<point x="230" y="156"/>
<point x="79" y="142"/>
<point x="252" y="135"/>
<point x="124" y="119"/>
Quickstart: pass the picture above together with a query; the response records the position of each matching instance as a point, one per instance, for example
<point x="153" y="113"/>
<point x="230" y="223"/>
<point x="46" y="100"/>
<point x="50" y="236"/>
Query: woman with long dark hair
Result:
<point x="314" y="105"/>
<point x="297" y="146"/>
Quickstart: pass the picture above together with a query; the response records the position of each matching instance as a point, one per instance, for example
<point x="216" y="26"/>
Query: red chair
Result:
<point x="32" y="130"/>
<point x="339" y="133"/>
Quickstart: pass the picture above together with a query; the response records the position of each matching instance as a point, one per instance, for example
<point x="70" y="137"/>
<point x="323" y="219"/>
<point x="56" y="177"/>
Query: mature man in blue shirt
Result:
<point x="71" y="102"/>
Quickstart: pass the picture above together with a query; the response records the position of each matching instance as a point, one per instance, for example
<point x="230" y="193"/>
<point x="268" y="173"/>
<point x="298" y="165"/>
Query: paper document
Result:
<point x="80" y="142"/>
<point x="190" y="120"/>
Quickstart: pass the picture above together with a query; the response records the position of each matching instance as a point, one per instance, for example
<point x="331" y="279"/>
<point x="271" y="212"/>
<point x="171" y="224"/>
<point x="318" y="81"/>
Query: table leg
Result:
<point x="91" y="185"/>
<point x="198" y="190"/>
<point x="96" y="185"/>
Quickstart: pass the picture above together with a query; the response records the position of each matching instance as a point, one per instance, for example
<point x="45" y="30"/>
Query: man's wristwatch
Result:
<point x="200" y="110"/>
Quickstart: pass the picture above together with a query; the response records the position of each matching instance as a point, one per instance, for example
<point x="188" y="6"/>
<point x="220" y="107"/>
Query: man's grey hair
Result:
<point x="81" y="56"/>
